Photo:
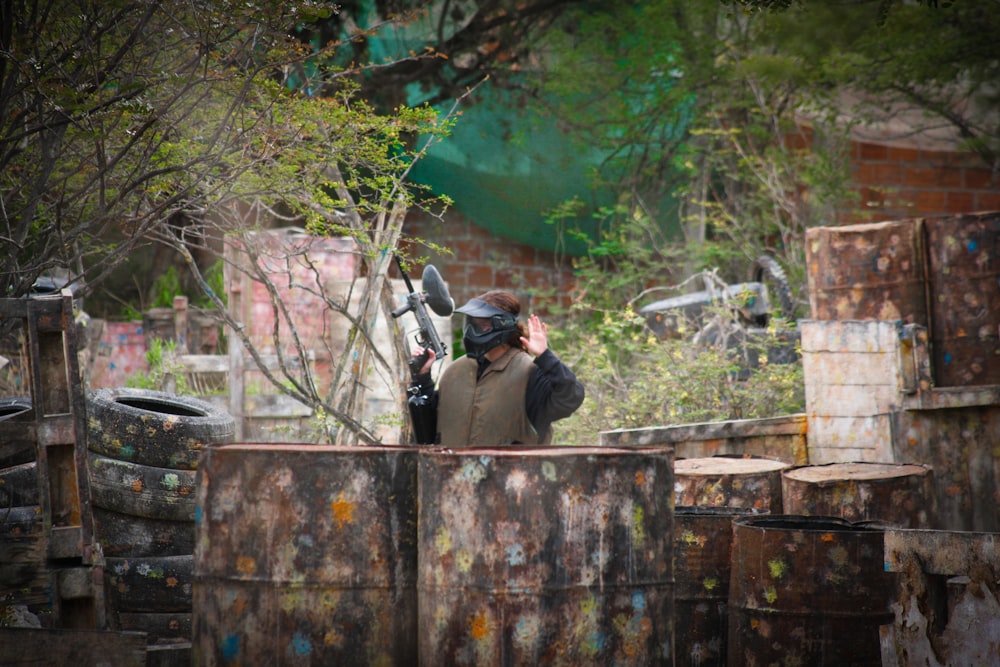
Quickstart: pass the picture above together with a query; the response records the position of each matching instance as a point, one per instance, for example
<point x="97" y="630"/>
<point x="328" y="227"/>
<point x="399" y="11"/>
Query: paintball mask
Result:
<point x="485" y="328"/>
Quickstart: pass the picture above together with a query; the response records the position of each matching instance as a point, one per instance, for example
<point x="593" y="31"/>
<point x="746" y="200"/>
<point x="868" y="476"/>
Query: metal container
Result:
<point x="703" y="540"/>
<point x="807" y="591"/>
<point x="305" y="555"/>
<point x="546" y="556"/>
<point x="964" y="284"/>
<point x="900" y="495"/>
<point x="867" y="272"/>
<point x="729" y="481"/>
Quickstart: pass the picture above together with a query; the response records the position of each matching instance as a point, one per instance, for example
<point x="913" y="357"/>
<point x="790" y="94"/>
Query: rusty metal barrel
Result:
<point x="895" y="494"/>
<point x="305" y="555"/>
<point x="808" y="591"/>
<point x="546" y="556"/>
<point x="703" y="540"/>
<point x="729" y="481"/>
<point x="867" y="272"/>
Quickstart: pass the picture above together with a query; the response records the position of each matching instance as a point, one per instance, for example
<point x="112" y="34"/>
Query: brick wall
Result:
<point x="896" y="182"/>
<point x="481" y="261"/>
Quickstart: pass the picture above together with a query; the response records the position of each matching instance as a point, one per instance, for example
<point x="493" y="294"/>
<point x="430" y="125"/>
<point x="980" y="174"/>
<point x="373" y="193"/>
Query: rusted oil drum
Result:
<point x="867" y="272"/>
<point x="703" y="539"/>
<point x="964" y="283"/>
<point x="305" y="555"/>
<point x="807" y="591"/>
<point x="729" y="481"/>
<point x="546" y="556"/>
<point x="900" y="495"/>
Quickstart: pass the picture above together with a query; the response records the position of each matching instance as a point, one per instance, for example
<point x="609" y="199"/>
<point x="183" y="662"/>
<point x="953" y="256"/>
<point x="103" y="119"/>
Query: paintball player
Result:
<point x="508" y="389"/>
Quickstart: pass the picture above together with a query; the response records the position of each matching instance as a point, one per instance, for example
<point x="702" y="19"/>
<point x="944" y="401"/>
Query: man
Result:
<point x="508" y="389"/>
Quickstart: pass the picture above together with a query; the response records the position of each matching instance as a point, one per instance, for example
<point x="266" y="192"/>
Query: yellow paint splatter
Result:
<point x="639" y="531"/>
<point x="710" y="583"/>
<point x="588" y="605"/>
<point x="770" y="594"/>
<point x="777" y="568"/>
<point x="479" y="626"/>
<point x="442" y="540"/>
<point x="464" y="560"/>
<point x="343" y="510"/>
<point x="246" y="565"/>
<point x="688" y="537"/>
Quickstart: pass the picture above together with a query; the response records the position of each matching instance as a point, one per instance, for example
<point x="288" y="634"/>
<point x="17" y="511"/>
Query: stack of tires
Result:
<point x="25" y="590"/>
<point x="144" y="450"/>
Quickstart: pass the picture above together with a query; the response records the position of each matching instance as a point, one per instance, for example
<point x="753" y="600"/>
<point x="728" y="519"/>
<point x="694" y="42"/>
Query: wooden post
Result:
<point x="238" y="284"/>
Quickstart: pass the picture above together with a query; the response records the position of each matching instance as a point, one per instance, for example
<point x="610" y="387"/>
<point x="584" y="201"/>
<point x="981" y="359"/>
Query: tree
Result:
<point x="127" y="122"/>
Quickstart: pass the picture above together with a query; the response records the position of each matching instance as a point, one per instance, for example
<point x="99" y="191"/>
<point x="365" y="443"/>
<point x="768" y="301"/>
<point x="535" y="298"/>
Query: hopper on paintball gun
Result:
<point x="434" y="294"/>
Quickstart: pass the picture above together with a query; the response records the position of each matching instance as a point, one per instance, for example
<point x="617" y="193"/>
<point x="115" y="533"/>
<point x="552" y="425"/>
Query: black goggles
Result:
<point x="482" y="325"/>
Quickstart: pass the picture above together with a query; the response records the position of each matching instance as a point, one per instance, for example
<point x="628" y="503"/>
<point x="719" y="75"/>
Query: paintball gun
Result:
<point x="434" y="294"/>
<point x="423" y="411"/>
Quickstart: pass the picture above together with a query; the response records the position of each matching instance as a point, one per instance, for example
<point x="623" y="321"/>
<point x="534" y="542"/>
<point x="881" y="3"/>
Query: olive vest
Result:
<point x="489" y="411"/>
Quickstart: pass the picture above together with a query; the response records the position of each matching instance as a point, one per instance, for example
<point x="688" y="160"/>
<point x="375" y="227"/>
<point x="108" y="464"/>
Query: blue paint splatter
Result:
<point x="231" y="647"/>
<point x="973" y="245"/>
<point x="197" y="514"/>
<point x="947" y="358"/>
<point x="515" y="554"/>
<point x="639" y="601"/>
<point x="301" y="644"/>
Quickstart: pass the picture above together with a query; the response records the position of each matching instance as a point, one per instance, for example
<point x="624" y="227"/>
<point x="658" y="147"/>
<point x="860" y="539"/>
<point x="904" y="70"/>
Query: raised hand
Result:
<point x="537" y="340"/>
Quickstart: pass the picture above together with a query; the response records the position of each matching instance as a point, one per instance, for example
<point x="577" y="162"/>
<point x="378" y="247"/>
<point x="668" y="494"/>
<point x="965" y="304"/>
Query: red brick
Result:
<point x="988" y="201"/>
<point x="902" y="154"/>
<point x="863" y="173"/>
<point x="479" y="275"/>
<point x="929" y="202"/>
<point x="522" y="255"/>
<point x="927" y="177"/>
<point x="888" y="173"/>
<point x="868" y="151"/>
<point x="980" y="179"/>
<point x="960" y="202"/>
<point x="467" y="251"/>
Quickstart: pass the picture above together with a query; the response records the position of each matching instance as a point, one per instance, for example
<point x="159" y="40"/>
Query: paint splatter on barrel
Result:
<point x="554" y="556"/>
<point x="807" y="591"/>
<point x="703" y="539"/>
<point x="867" y="272"/>
<point x="729" y="481"/>
<point x="305" y="555"/>
<point x="963" y="292"/>
<point x="900" y="495"/>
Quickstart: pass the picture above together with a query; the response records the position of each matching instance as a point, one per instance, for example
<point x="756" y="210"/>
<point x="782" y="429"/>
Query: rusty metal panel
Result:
<point x="305" y="554"/>
<point x="729" y="481"/>
<point x="813" y="588"/>
<point x="960" y="444"/>
<point x="947" y="609"/>
<point x="964" y="283"/>
<point x="550" y="556"/>
<point x="867" y="272"/>
<point x="894" y="494"/>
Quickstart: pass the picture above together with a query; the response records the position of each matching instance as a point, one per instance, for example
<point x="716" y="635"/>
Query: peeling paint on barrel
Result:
<point x="305" y="555"/>
<point x="703" y="538"/>
<point x="807" y="591"/>
<point x="554" y="556"/>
